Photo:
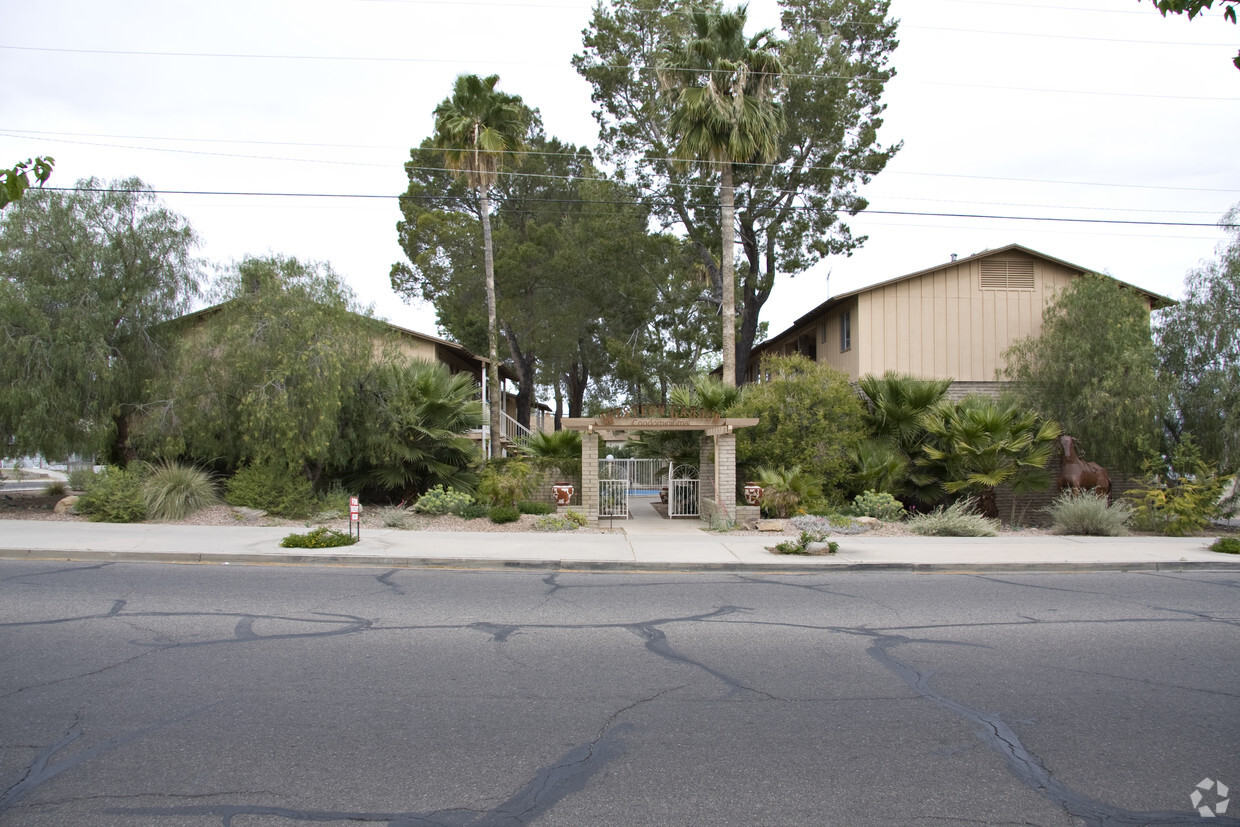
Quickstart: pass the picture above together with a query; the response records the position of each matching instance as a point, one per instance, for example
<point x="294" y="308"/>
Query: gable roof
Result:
<point x="1156" y="299"/>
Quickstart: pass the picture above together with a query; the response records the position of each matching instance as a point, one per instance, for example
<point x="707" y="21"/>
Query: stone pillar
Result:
<point x="706" y="469"/>
<point x="589" y="474"/>
<point x="725" y="456"/>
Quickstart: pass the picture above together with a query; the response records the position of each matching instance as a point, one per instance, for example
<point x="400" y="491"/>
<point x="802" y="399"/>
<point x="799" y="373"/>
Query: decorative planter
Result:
<point x="663" y="495"/>
<point x="563" y="493"/>
<point x="753" y="493"/>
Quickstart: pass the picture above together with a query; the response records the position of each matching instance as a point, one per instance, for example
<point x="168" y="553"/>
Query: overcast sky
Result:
<point x="1073" y="109"/>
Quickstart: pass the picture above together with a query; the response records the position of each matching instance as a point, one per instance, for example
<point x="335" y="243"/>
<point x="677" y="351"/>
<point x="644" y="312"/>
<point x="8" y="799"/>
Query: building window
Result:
<point x="845" y="331"/>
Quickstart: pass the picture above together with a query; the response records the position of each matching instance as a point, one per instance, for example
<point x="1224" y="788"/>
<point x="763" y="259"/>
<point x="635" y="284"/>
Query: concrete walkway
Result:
<point x="645" y="543"/>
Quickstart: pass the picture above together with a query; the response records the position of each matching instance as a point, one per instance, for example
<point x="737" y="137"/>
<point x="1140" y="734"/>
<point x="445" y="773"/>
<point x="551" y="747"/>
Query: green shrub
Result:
<point x="55" y="488"/>
<point x="881" y="506"/>
<point x="321" y="537"/>
<point x="821" y="527"/>
<point x="174" y="491"/>
<point x="442" y="501"/>
<point x="568" y="521"/>
<point x="1089" y="514"/>
<point x="114" y="496"/>
<point x="1227" y="545"/>
<point x="276" y="489"/>
<point x="506" y="481"/>
<point x="334" y="502"/>
<point x="475" y="511"/>
<point x="802" y="545"/>
<point x="531" y="507"/>
<point x="957" y="520"/>
<point x="80" y="478"/>
<point x="1179" y="498"/>
<point x="504" y="514"/>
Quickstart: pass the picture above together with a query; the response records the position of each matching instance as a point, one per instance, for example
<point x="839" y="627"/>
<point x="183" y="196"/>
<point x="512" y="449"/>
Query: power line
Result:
<point x="993" y="217"/>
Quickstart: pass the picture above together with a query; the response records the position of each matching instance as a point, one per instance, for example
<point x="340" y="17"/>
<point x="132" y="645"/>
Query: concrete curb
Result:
<point x="567" y="565"/>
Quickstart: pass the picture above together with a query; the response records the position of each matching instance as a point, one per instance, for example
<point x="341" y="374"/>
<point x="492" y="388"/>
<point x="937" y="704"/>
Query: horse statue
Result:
<point x="1078" y="475"/>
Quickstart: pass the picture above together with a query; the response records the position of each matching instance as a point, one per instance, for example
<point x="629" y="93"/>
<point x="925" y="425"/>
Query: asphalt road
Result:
<point x="249" y="695"/>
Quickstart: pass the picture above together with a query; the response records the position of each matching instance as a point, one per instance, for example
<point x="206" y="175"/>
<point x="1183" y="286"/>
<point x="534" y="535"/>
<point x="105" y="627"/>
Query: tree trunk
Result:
<point x="559" y="406"/>
<point x="728" y="277"/>
<point x="497" y="395"/>
<point x="524" y="363"/>
<point x="575" y="379"/>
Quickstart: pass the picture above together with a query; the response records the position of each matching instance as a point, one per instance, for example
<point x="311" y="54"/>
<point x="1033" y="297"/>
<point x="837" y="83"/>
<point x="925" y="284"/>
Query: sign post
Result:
<point x="355" y="517"/>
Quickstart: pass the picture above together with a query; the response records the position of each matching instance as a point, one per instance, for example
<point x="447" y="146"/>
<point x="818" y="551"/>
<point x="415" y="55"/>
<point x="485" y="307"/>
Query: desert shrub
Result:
<point x="174" y="491"/>
<point x="1089" y="514"/>
<point x="442" y="501"/>
<point x="55" y="488"/>
<point x="802" y="545"/>
<point x="568" y="521"/>
<point x="276" y="489"/>
<point x="820" y="527"/>
<point x="321" y="537"/>
<point x="391" y="516"/>
<point x="956" y="520"/>
<point x="1180" y="496"/>
<point x="504" y="514"/>
<point x="880" y="506"/>
<point x="474" y="511"/>
<point x="506" y="482"/>
<point x="80" y="478"/>
<point x="114" y="496"/>
<point x="788" y="491"/>
<point x="531" y="507"/>
<point x="1227" y="545"/>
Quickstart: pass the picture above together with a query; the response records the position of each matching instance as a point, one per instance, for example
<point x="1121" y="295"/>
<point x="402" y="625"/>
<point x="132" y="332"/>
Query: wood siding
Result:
<point x="944" y="324"/>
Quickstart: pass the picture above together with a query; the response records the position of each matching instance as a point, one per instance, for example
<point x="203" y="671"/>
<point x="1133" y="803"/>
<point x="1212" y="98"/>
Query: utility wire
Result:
<point x="238" y="193"/>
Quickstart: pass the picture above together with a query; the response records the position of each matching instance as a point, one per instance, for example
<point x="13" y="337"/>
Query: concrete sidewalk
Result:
<point x="633" y="545"/>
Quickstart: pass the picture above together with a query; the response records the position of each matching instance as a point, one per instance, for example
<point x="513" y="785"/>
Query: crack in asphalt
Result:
<point x="386" y="580"/>
<point x="41" y="770"/>
<point x="1026" y="766"/>
<point x="56" y="571"/>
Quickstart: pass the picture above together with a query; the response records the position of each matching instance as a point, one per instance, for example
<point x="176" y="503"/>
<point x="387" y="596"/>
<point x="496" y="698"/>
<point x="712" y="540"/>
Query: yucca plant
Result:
<point x="173" y="491"/>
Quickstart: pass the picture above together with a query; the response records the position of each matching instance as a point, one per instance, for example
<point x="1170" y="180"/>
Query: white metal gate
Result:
<point x="644" y="475"/>
<point x="613" y="499"/>
<point x="683" y="490"/>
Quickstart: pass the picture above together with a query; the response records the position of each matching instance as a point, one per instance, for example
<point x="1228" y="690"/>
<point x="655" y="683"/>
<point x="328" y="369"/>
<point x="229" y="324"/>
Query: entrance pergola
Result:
<point x="717" y="455"/>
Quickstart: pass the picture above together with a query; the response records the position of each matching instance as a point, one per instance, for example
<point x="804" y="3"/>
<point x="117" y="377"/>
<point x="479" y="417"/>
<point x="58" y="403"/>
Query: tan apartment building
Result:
<point x="951" y="321"/>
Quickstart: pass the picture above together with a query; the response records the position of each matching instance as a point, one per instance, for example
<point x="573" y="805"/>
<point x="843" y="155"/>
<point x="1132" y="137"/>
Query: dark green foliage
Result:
<point x="896" y="407"/>
<point x="115" y="496"/>
<point x="563" y="447"/>
<point x="274" y="488"/>
<point x="85" y="279"/>
<point x="504" y="514"/>
<point x="1089" y="514"/>
<point x="1227" y="545"/>
<point x="808" y="417"/>
<point x="506" y="481"/>
<point x="977" y="444"/>
<point x="405" y="429"/>
<point x="1092" y="370"/>
<point x="321" y="537"/>
<point x="530" y="507"/>
<point x="474" y="511"/>
<point x="80" y="478"/>
<point x="788" y="491"/>
<point x="15" y="180"/>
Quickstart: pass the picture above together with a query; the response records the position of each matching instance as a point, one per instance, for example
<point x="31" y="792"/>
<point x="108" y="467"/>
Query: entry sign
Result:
<point x="355" y="510"/>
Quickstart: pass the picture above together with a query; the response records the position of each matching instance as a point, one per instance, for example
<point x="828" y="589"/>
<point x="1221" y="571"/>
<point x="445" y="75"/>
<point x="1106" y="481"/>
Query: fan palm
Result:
<point x="721" y="87"/>
<point x="476" y="129"/>
<point x="978" y="444"/>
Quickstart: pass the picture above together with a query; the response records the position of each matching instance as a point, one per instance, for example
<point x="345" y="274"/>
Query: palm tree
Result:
<point x="980" y="443"/>
<point x="721" y="88"/>
<point x="476" y="129"/>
